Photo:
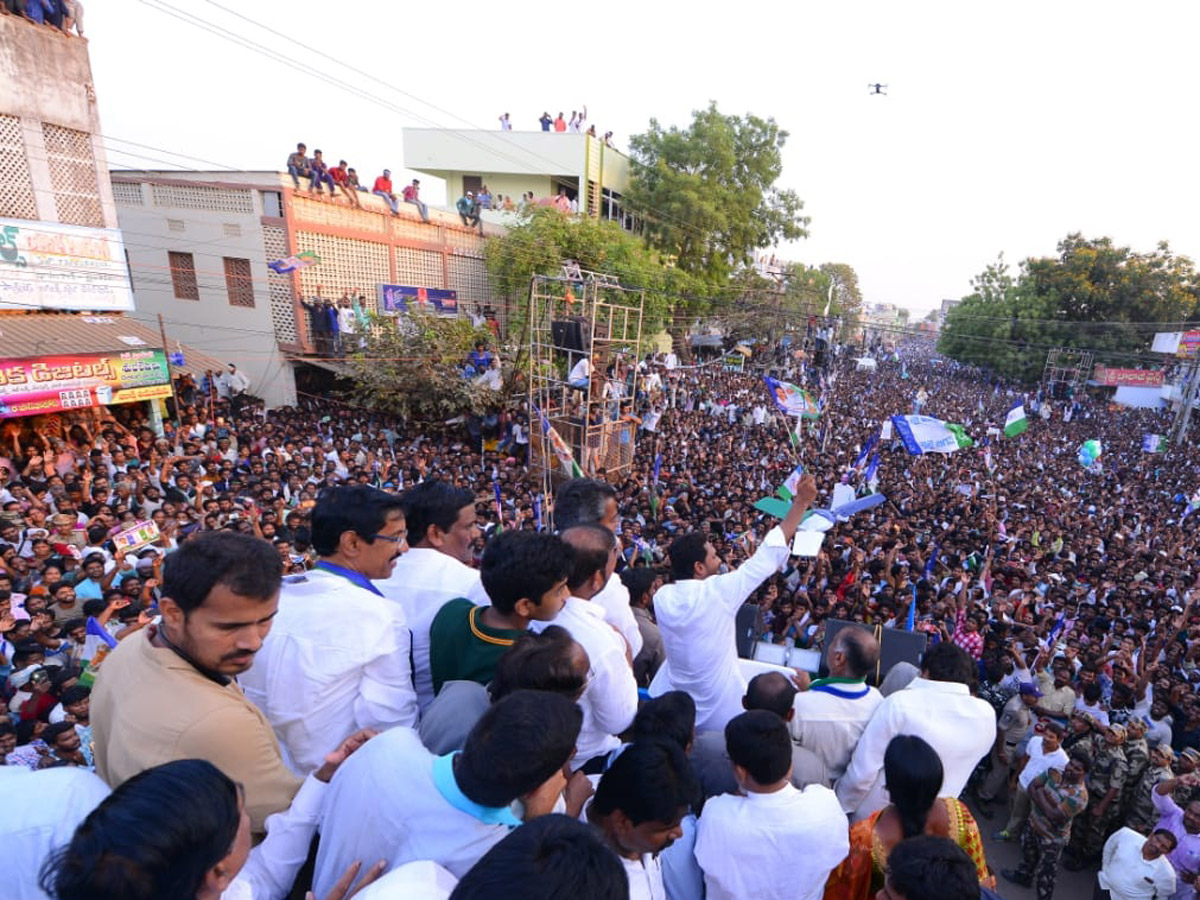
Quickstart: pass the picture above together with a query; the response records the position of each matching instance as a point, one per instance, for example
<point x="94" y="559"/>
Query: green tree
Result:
<point x="545" y="237"/>
<point x="412" y="367"/>
<point x="1093" y="295"/>
<point x="847" y="297"/>
<point x="706" y="194"/>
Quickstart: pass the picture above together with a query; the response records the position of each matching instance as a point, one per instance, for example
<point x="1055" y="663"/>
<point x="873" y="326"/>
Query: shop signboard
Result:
<point x="1189" y="345"/>
<point x="400" y="298"/>
<point x="1127" y="377"/>
<point x="44" y="265"/>
<point x="49" y="384"/>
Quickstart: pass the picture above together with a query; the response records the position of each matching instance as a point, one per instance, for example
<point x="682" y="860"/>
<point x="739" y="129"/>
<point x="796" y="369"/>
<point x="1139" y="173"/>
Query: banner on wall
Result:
<point x="1131" y="377"/>
<point x="44" y="265"/>
<point x="401" y="298"/>
<point x="49" y="384"/>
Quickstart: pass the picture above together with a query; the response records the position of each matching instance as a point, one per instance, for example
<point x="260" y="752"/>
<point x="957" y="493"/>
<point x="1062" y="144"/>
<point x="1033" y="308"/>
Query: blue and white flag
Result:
<point x="1154" y="443"/>
<point x="925" y="434"/>
<point x="873" y="472"/>
<point x="866" y="451"/>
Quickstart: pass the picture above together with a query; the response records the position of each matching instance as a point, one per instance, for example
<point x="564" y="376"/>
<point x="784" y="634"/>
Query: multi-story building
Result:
<point x="67" y="346"/>
<point x="201" y="245"/>
<point x="514" y="163"/>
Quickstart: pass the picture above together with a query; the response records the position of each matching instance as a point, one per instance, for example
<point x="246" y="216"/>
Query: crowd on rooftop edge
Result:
<point x="323" y="180"/>
<point x="65" y="15"/>
<point x="349" y="628"/>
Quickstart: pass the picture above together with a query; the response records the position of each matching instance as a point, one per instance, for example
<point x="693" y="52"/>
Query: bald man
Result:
<point x="832" y="712"/>
<point x="775" y="693"/>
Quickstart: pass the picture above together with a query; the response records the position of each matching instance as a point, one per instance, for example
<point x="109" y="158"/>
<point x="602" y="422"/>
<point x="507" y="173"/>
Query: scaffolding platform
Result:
<point x="574" y="316"/>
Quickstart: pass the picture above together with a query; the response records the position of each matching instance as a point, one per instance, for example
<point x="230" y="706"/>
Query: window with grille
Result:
<point x="238" y="282"/>
<point x="183" y="275"/>
<point x="16" y="186"/>
<point x="71" y="160"/>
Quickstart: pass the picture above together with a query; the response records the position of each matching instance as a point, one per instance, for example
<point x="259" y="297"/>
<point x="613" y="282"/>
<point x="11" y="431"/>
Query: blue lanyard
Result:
<point x="350" y="575"/>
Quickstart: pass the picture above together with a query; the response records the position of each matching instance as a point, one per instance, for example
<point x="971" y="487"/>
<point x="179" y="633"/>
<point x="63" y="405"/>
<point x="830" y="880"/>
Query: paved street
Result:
<point x="1070" y="885"/>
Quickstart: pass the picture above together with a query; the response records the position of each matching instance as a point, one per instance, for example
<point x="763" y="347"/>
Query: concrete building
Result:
<point x="200" y="244"/>
<point x="68" y="350"/>
<point x="513" y="163"/>
<point x="53" y="196"/>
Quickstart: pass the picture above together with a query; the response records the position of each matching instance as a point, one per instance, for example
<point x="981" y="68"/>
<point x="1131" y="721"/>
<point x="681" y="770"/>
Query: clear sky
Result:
<point x="1005" y="126"/>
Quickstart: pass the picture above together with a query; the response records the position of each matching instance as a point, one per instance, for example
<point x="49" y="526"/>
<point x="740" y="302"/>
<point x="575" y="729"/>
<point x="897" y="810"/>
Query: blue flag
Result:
<point x="537" y="511"/>
<point x="866" y="451"/>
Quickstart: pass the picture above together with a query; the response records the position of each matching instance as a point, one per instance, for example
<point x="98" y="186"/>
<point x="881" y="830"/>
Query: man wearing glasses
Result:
<point x="337" y="659"/>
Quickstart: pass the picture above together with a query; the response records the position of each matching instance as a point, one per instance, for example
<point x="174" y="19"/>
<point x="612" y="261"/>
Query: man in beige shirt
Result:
<point x="168" y="692"/>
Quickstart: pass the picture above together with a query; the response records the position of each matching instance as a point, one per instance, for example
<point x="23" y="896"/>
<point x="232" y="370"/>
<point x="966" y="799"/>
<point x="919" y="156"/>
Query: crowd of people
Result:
<point x="460" y="683"/>
<point x="65" y="15"/>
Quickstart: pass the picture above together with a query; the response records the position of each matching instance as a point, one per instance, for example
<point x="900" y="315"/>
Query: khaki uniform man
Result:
<point x="1142" y="815"/>
<point x="1105" y="782"/>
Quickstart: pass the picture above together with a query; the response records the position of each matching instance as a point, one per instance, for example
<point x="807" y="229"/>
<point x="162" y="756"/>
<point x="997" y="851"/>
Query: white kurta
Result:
<point x="610" y="700"/>
<point x="273" y="865"/>
<point x="779" y="846"/>
<point x="423" y="580"/>
<point x="383" y="803"/>
<point x="336" y="660"/>
<point x="697" y="621"/>
<point x="41" y="812"/>
<point x="830" y="722"/>
<point x="961" y="728"/>
<point x="614" y="600"/>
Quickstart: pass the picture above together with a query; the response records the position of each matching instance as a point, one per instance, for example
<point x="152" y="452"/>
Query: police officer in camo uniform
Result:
<point x="1137" y="754"/>
<point x="1105" y="782"/>
<point x="1185" y="764"/>
<point x="1142" y="815"/>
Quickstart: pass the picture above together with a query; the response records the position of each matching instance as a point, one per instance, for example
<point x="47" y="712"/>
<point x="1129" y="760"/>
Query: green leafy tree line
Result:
<point x="1092" y="295"/>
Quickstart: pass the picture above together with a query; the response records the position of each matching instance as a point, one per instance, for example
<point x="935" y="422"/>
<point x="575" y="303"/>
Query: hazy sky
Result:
<point x="1006" y="126"/>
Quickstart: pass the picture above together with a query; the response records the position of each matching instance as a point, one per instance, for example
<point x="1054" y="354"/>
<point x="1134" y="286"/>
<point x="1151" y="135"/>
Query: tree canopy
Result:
<point x="1093" y="295"/>
<point x="544" y="237"/>
<point x="706" y="194"/>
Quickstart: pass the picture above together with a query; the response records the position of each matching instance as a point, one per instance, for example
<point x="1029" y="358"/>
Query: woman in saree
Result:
<point x="913" y="774"/>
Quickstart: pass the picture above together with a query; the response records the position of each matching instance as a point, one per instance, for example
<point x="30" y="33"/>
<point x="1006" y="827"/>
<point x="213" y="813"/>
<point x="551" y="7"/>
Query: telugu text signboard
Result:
<point x="48" y="384"/>
<point x="399" y="298"/>
<point x="44" y="265"/>
<point x="1127" y="377"/>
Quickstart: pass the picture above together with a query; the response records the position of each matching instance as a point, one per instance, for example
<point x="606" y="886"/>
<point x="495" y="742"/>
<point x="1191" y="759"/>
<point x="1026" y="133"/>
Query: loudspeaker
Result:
<point x="749" y="626"/>
<point x="567" y="334"/>
<point x="894" y="646"/>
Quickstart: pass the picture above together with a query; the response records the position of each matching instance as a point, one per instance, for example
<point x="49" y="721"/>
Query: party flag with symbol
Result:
<point x="1015" y="422"/>
<point x="559" y="446"/>
<point x="791" y="400"/>
<point x="499" y="506"/>
<point x="1154" y="443"/>
<point x="787" y="490"/>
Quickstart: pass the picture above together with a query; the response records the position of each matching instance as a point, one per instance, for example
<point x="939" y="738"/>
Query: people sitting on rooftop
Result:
<point x="298" y="165"/>
<point x="383" y="188"/>
<point x="341" y="177"/>
<point x="319" y="174"/>
<point x="412" y="194"/>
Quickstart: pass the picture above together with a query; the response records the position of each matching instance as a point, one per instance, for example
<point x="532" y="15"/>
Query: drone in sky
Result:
<point x="880" y="89"/>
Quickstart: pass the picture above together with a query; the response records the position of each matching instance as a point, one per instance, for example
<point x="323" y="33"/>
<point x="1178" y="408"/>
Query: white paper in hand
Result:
<point x="807" y="543"/>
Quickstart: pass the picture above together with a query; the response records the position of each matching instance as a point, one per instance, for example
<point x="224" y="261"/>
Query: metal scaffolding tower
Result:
<point x="574" y="316"/>
<point x="1066" y="372"/>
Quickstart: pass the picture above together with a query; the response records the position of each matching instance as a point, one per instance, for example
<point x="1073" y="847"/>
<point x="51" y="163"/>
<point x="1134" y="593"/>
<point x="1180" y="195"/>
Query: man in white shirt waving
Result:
<point x="336" y="659"/>
<point x="610" y="700"/>
<point x="775" y="842"/>
<point x="441" y="523"/>
<point x="697" y="613"/>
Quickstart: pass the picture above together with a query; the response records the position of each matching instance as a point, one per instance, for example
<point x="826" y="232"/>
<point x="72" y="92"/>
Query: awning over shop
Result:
<point x="339" y="367"/>
<point x="54" y="362"/>
<point x="25" y="335"/>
